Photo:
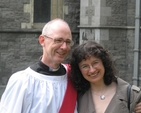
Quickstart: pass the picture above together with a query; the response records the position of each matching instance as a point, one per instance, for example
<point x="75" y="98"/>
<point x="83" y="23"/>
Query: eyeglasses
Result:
<point x="87" y="67"/>
<point x="60" y="41"/>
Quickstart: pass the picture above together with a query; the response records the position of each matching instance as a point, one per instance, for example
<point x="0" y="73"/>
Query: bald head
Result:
<point x="55" y="24"/>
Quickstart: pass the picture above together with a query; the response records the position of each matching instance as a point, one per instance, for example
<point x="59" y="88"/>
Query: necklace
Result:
<point x="102" y="96"/>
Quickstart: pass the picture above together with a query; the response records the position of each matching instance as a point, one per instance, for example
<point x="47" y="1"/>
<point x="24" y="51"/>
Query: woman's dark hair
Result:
<point x="83" y="52"/>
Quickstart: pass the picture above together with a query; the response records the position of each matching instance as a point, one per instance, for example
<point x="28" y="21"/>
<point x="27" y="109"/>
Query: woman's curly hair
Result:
<point x="83" y="52"/>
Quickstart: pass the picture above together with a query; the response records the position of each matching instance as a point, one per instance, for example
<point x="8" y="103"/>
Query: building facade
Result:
<point x="109" y="22"/>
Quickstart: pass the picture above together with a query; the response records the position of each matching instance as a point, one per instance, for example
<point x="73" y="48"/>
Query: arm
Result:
<point x="138" y="108"/>
<point x="12" y="98"/>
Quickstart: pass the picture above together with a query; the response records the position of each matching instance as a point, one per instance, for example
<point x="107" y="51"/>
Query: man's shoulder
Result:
<point x="19" y="74"/>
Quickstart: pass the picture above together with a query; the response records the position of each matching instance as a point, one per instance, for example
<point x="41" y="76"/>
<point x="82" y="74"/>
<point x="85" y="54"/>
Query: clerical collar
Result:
<point x="40" y="67"/>
<point x="51" y="69"/>
<point x="48" y="68"/>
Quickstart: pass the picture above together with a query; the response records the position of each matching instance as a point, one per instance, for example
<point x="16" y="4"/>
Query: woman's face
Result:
<point x="92" y="69"/>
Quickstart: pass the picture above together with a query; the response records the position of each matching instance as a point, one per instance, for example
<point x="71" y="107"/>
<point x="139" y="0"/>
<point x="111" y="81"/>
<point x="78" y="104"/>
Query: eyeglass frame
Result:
<point x="88" y="67"/>
<point x="60" y="39"/>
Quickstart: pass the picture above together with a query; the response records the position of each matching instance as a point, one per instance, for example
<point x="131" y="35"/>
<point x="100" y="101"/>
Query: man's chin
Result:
<point x="60" y="60"/>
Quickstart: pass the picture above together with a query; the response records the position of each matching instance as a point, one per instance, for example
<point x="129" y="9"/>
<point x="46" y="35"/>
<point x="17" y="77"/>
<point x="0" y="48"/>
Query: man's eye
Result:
<point x="58" y="41"/>
<point x="68" y="42"/>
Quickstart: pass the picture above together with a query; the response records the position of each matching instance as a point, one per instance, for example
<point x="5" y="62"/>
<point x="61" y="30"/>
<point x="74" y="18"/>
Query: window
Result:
<point x="42" y="11"/>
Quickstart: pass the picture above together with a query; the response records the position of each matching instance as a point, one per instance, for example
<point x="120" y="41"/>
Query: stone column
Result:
<point x="93" y="15"/>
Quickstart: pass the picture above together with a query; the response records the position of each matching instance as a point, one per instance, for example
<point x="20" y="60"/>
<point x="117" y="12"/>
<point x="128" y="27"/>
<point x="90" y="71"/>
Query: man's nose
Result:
<point x="64" y="45"/>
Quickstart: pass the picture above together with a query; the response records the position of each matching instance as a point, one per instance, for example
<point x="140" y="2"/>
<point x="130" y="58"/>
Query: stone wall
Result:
<point x="17" y="51"/>
<point x="121" y="48"/>
<point x="12" y="14"/>
<point x="122" y="39"/>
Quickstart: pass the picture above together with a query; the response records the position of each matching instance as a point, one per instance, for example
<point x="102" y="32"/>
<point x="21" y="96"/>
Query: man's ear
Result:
<point x="41" y="40"/>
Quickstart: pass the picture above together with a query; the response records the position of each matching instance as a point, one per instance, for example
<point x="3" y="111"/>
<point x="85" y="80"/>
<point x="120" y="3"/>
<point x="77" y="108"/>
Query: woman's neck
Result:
<point x="99" y="88"/>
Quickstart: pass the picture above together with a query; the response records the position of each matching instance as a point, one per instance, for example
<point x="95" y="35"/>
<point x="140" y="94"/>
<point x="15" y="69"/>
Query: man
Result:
<point x="42" y="87"/>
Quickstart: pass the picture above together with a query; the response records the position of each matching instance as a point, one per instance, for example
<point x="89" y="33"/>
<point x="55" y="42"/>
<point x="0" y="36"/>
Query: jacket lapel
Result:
<point x="118" y="103"/>
<point x="86" y="103"/>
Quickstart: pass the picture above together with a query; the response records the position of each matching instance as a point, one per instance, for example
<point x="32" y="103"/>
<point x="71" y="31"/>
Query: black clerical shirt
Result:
<point x="40" y="67"/>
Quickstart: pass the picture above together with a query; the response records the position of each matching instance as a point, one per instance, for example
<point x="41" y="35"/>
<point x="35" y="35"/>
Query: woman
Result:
<point x="94" y="77"/>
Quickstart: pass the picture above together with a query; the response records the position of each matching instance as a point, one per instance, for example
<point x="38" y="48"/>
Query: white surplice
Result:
<point x="30" y="92"/>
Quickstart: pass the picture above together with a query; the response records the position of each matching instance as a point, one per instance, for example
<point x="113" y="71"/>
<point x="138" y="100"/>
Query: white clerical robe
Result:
<point x="30" y="92"/>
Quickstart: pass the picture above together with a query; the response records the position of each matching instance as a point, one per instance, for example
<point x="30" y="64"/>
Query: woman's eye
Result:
<point x="85" y="67"/>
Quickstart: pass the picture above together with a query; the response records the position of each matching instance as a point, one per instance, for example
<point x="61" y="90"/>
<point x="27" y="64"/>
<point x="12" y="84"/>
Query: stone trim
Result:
<point x="108" y="27"/>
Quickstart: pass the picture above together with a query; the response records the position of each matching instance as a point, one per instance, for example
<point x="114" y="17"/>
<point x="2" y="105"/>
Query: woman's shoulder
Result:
<point x="136" y="88"/>
<point x="124" y="85"/>
<point x="136" y="92"/>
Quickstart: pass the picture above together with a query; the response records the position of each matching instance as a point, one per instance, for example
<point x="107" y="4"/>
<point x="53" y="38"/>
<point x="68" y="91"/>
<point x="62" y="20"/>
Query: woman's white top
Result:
<point x="30" y="92"/>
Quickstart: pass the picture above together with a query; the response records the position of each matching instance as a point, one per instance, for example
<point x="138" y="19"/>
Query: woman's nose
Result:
<point x="92" y="69"/>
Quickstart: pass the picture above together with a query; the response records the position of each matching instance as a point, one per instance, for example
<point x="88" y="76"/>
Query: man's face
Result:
<point x="56" y="52"/>
<point x="56" y="45"/>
